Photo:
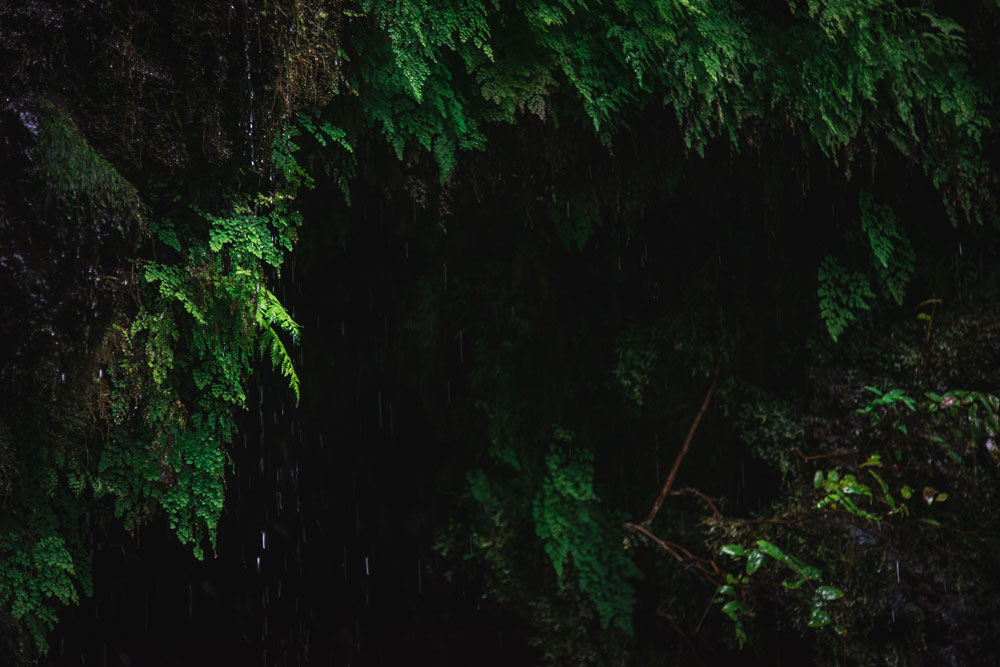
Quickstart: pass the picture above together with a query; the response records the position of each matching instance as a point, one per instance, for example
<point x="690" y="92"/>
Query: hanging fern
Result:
<point x="841" y="295"/>
<point x="575" y="530"/>
<point x="272" y="315"/>
<point x="892" y="252"/>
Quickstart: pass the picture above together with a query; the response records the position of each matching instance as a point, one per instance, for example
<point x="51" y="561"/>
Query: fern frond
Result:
<point x="271" y="315"/>
<point x="893" y="255"/>
<point x="841" y="295"/>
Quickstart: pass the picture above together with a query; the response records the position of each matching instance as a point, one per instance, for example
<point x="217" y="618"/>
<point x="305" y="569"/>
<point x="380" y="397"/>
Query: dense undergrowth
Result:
<point x="612" y="207"/>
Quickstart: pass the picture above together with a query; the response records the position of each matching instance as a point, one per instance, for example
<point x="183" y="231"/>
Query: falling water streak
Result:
<point x="656" y="451"/>
<point x="897" y="572"/>
<point x="250" y="94"/>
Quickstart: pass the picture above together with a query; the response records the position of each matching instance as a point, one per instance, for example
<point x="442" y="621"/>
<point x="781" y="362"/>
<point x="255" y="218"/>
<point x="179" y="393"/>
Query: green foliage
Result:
<point x="848" y="81"/>
<point x="89" y="186"/>
<point x="841" y="296"/>
<point x="79" y="204"/>
<point x="771" y="426"/>
<point x="575" y="223"/>
<point x="437" y="72"/>
<point x="34" y="576"/>
<point x="732" y="595"/>
<point x="894" y="258"/>
<point x="839" y="491"/>
<point x="916" y="454"/>
<point x="637" y="352"/>
<point x="185" y="358"/>
<point x="339" y="165"/>
<point x="574" y="530"/>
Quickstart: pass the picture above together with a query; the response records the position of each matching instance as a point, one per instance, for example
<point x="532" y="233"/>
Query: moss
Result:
<point x="89" y="189"/>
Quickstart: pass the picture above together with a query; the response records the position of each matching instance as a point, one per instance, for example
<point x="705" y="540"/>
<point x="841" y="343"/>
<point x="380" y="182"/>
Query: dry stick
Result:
<point x="684" y="450"/>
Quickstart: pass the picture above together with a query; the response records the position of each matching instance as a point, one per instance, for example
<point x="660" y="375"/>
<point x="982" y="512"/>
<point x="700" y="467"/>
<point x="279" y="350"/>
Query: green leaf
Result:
<point x="734" y="608"/>
<point x="792" y="584"/>
<point x="873" y="460"/>
<point x="818" y="618"/>
<point x="772" y="550"/>
<point x="754" y="560"/>
<point x="829" y="593"/>
<point x="726" y="589"/>
<point x="734" y="550"/>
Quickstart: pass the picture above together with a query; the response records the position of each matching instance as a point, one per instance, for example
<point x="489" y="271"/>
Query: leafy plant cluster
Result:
<point x="185" y="358"/>
<point x="923" y="474"/>
<point x="431" y="75"/>
<point x="574" y="531"/>
<point x="146" y="423"/>
<point x="330" y="87"/>
<point x="732" y="598"/>
<point x="843" y="294"/>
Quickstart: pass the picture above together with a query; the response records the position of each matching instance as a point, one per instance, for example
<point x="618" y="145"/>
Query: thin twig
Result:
<point x="684" y="449"/>
<point x="813" y="457"/>
<point x="708" y="568"/>
<point x="636" y="528"/>
<point x="781" y="522"/>
<point x="688" y="489"/>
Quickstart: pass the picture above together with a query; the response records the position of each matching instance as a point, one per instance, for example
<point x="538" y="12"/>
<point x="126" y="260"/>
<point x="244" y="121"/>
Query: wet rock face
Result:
<point x="68" y="224"/>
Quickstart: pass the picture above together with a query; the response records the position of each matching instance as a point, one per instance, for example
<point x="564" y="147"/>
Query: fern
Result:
<point x="841" y="295"/>
<point x="575" y="530"/>
<point x="892" y="252"/>
<point x="575" y="222"/>
<point x="270" y="315"/>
